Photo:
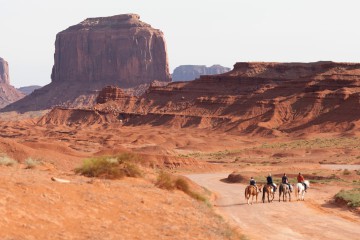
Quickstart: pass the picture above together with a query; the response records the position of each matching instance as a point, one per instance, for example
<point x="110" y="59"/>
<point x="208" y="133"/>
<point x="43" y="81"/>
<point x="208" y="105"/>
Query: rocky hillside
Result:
<point x="119" y="50"/>
<point x="254" y="98"/>
<point x="8" y="93"/>
<point x="191" y="72"/>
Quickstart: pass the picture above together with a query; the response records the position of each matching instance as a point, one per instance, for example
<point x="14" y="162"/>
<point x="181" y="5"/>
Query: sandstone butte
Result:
<point x="119" y="50"/>
<point x="8" y="93"/>
<point x="254" y="98"/>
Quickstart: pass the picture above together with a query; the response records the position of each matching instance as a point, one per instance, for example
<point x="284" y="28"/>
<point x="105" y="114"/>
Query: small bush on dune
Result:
<point x="110" y="167"/>
<point x="170" y="182"/>
<point x="31" y="163"/>
<point x="7" y="161"/>
<point x="346" y="172"/>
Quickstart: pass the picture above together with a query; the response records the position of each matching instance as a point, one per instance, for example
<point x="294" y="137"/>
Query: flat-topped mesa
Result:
<point x="295" y="70"/>
<point x="4" y="71"/>
<point x="117" y="21"/>
<point x="119" y="50"/>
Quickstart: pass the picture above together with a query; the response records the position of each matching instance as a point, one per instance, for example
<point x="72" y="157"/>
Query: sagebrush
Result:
<point x="111" y="167"/>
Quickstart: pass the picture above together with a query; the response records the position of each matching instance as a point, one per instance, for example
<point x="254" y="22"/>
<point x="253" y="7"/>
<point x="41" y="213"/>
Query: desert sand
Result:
<point x="35" y="207"/>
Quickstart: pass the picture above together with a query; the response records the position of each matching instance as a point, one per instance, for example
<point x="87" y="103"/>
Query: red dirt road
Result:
<point x="294" y="220"/>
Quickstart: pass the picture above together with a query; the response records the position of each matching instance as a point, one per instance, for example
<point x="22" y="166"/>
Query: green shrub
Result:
<point x="7" y="161"/>
<point x="111" y="167"/>
<point x="31" y="163"/>
<point x="352" y="197"/>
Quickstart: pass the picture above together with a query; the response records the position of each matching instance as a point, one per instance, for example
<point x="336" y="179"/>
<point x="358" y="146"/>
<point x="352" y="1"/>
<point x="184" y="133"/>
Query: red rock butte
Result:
<point x="119" y="50"/>
<point x="8" y="93"/>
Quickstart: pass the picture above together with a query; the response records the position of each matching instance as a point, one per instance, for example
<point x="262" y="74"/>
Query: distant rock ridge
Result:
<point x="120" y="50"/>
<point x="191" y="72"/>
<point x="269" y="99"/>
<point x="8" y="94"/>
<point x="28" y="89"/>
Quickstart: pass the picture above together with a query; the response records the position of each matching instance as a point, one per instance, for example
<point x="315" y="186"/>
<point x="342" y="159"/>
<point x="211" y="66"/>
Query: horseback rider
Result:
<point x="285" y="180"/>
<point x="253" y="183"/>
<point x="269" y="181"/>
<point x="301" y="179"/>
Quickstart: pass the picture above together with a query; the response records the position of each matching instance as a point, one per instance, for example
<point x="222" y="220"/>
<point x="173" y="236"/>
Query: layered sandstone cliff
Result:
<point x="254" y="98"/>
<point x="191" y="72"/>
<point x="8" y="93"/>
<point x="119" y="50"/>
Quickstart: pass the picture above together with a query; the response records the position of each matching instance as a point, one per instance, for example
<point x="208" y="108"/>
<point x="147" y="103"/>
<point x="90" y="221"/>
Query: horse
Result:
<point x="284" y="189"/>
<point x="251" y="191"/>
<point x="300" y="190"/>
<point x="269" y="189"/>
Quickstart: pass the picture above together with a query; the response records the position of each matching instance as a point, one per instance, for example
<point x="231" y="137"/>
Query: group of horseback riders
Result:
<point x="284" y="179"/>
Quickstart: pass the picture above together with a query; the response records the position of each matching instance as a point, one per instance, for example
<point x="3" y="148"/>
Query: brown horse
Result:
<point x="284" y="190"/>
<point x="269" y="190"/>
<point x="251" y="191"/>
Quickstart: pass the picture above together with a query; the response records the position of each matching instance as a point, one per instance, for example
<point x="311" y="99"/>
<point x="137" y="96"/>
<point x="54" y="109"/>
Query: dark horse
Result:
<point x="269" y="190"/>
<point x="284" y="190"/>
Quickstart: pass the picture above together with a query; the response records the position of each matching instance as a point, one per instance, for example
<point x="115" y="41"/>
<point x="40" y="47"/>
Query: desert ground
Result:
<point x="34" y="206"/>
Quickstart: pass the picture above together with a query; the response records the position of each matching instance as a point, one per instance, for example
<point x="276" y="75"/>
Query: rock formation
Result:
<point x="191" y="72"/>
<point x="8" y="93"/>
<point x="4" y="72"/>
<point x="254" y="98"/>
<point x="119" y="50"/>
<point x="28" y="89"/>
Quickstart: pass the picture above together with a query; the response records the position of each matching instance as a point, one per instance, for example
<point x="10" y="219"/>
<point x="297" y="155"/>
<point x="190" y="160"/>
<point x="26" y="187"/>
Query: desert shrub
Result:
<point x="165" y="181"/>
<point x="31" y="163"/>
<point x="351" y="197"/>
<point x="110" y="167"/>
<point x="7" y="161"/>
<point x="357" y="172"/>
<point x="169" y="182"/>
<point x="346" y="172"/>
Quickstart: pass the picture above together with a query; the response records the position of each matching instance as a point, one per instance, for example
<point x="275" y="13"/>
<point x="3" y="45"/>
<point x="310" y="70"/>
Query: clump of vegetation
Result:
<point x="7" y="161"/>
<point x="346" y="172"/>
<point x="111" y="167"/>
<point x="351" y="197"/>
<point x="170" y="182"/>
<point x="31" y="163"/>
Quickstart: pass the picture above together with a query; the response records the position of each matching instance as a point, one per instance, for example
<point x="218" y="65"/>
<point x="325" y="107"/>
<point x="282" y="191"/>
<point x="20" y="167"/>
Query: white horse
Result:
<point x="300" y="190"/>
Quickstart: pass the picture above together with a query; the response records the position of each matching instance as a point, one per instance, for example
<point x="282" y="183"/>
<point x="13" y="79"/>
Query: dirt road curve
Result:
<point x="294" y="220"/>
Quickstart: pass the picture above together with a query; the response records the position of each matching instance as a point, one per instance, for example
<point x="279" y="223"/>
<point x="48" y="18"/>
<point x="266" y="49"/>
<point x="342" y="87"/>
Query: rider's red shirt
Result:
<point x="300" y="178"/>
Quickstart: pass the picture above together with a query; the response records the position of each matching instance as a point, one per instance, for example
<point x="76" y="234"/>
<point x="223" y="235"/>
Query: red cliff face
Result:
<point x="119" y="50"/>
<point x="8" y="93"/>
<point x="257" y="98"/>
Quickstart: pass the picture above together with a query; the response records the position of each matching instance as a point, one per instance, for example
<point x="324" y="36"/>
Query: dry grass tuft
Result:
<point x="111" y="167"/>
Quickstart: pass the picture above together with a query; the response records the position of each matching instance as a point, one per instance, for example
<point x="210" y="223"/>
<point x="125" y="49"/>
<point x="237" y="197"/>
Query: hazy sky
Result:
<point x="202" y="32"/>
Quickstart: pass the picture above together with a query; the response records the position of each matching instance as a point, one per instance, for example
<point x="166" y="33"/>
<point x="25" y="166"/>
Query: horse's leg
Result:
<point x="263" y="196"/>
<point x="279" y="194"/>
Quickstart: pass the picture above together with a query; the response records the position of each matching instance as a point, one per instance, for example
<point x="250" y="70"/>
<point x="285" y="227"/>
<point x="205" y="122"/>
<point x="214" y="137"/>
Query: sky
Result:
<point x="200" y="32"/>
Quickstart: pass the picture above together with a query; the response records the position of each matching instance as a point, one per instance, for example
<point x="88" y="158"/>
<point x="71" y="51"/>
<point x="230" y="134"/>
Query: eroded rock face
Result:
<point x="4" y="72"/>
<point x="259" y="99"/>
<point x="8" y="94"/>
<point x="191" y="72"/>
<point x="119" y="50"/>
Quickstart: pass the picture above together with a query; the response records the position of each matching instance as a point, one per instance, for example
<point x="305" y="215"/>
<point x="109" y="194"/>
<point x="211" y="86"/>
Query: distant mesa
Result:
<point x="119" y="50"/>
<point x="28" y="89"/>
<point x="8" y="94"/>
<point x="191" y="72"/>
